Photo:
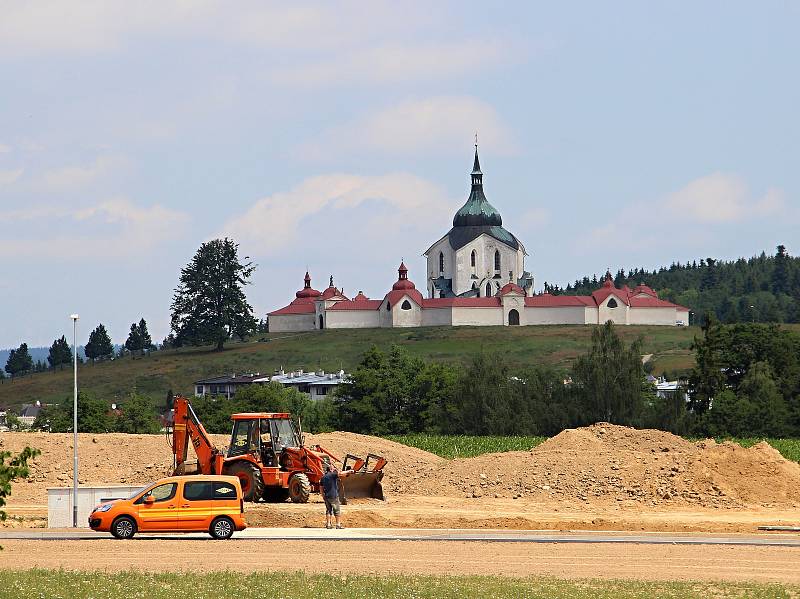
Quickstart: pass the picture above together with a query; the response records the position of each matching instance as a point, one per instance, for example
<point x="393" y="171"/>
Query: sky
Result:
<point x="338" y="138"/>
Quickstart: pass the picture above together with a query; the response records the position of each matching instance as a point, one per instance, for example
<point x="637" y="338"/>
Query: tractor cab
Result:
<point x="264" y="435"/>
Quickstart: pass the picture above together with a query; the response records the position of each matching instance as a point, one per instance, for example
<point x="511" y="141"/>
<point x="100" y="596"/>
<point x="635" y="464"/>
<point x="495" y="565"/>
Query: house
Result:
<point x="318" y="385"/>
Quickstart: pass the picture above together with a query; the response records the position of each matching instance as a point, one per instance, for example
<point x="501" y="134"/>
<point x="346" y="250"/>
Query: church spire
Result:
<point x="477" y="175"/>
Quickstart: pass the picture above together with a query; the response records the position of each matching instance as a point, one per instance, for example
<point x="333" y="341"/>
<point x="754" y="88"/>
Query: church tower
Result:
<point x="477" y="256"/>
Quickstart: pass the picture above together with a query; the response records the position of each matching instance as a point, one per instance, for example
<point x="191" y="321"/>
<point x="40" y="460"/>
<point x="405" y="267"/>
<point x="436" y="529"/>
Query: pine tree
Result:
<point x="781" y="277"/>
<point x="59" y="353"/>
<point x="99" y="345"/>
<point x="144" y="335"/>
<point x="209" y="304"/>
<point x="19" y="361"/>
<point x="134" y="341"/>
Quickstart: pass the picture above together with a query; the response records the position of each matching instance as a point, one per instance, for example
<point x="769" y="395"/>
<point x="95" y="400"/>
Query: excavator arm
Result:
<point x="186" y="427"/>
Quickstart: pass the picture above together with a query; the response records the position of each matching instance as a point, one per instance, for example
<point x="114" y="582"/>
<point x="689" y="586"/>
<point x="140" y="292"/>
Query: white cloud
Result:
<point x="402" y="61"/>
<point x="79" y="176"/>
<point x="400" y="203"/>
<point x="720" y="197"/>
<point x="10" y="176"/>
<point x="418" y="126"/>
<point x="109" y="229"/>
<point x="4" y="149"/>
<point x="715" y="200"/>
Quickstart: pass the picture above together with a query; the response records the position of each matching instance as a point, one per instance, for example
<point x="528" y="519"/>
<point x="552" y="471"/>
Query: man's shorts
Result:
<point x="333" y="507"/>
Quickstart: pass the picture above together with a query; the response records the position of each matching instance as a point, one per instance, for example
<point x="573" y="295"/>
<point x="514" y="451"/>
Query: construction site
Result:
<point x="598" y="478"/>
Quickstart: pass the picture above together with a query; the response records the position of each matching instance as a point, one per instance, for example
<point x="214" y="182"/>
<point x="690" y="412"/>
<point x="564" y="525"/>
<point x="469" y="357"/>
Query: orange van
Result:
<point x="199" y="503"/>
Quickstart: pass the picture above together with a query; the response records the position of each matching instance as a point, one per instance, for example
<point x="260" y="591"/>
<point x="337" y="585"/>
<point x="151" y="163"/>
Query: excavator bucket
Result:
<point x="364" y="479"/>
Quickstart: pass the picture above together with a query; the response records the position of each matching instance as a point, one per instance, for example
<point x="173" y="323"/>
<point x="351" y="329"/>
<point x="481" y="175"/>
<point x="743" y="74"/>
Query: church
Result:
<point x="475" y="276"/>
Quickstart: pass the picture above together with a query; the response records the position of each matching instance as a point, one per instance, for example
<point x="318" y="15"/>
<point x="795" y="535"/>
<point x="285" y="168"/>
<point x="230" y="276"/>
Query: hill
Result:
<point x="760" y="289"/>
<point x="176" y="370"/>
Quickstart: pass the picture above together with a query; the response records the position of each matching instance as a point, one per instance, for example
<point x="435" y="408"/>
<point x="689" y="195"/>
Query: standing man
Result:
<point x="330" y="493"/>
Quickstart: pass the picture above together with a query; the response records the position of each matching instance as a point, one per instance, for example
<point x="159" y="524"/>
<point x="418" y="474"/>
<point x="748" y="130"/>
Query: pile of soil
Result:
<point x="605" y="463"/>
<point x="121" y="459"/>
<point x="599" y="465"/>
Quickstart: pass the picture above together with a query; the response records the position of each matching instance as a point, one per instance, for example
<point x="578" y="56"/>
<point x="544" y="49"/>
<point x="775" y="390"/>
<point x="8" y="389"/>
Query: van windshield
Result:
<point x="136" y="492"/>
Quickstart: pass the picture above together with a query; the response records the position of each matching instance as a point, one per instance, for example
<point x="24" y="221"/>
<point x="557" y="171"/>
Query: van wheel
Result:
<point x="221" y="528"/>
<point x="299" y="488"/>
<point x="249" y="478"/>
<point x="123" y="527"/>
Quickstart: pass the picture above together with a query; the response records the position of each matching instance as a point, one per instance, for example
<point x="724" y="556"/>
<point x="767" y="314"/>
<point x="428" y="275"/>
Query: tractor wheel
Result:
<point x="299" y="488"/>
<point x="249" y="477"/>
<point x="276" y="494"/>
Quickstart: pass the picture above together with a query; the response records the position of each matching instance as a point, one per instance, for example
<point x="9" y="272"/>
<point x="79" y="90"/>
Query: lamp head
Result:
<point x="73" y="316"/>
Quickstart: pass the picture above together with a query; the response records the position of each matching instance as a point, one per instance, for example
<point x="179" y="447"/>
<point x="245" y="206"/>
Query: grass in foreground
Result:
<point x="24" y="584"/>
<point x="465" y="446"/>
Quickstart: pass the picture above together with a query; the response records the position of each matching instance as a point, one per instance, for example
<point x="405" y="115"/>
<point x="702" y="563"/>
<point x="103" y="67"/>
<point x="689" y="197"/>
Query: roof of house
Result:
<point x="232" y="379"/>
<point x="305" y="378"/>
<point x="357" y="304"/>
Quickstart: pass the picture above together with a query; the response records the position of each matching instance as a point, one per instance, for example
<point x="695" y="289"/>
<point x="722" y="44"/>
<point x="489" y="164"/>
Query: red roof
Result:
<point x="361" y="304"/>
<point x="332" y="292"/>
<point x="360" y="297"/>
<point x="558" y="301"/>
<point x="512" y="288"/>
<point x="642" y="288"/>
<point x="653" y="302"/>
<point x="396" y="295"/>
<point x="295" y="308"/>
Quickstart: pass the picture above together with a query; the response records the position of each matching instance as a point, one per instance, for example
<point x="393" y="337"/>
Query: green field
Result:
<point x="59" y="584"/>
<point x="176" y="370"/>
<point x="465" y="446"/>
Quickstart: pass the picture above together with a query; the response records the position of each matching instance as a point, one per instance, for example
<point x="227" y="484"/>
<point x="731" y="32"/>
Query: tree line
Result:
<point x="746" y="383"/>
<point x="760" y="289"/>
<point x="99" y="347"/>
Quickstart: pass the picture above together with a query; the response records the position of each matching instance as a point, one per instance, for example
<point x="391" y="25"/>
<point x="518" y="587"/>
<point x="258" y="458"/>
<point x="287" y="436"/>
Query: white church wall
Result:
<point x="555" y="315"/>
<point x="442" y="246"/>
<point x="660" y="316"/>
<point x="477" y="316"/>
<point x="513" y="302"/>
<point x="432" y="317"/>
<point x="406" y="318"/>
<point x="683" y="316"/>
<point x="618" y="315"/>
<point x="280" y="323"/>
<point x="484" y="247"/>
<point x="591" y="315"/>
<point x="352" y="319"/>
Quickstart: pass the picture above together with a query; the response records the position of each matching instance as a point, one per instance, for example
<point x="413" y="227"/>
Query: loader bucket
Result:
<point x="362" y="484"/>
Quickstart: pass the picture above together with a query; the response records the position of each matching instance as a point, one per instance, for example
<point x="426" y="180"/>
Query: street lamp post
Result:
<point x="74" y="318"/>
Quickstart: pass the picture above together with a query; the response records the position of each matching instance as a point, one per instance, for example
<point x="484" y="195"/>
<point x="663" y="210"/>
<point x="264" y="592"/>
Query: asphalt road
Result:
<point x="392" y="534"/>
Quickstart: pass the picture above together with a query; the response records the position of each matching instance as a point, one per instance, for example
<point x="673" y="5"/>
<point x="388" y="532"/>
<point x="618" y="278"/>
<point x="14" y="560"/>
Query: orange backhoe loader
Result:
<point x="268" y="455"/>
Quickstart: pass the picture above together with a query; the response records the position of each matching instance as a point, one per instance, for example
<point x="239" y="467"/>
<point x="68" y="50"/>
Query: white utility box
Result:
<point x="59" y="503"/>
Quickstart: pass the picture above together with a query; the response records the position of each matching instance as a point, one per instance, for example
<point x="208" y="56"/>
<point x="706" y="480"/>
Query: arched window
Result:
<point x="513" y="317"/>
<point x="488" y="290"/>
<point x="406" y="305"/>
<point x="441" y="262"/>
<point x="612" y="303"/>
<point x="388" y="306"/>
<point x="321" y="322"/>
<point x="472" y="259"/>
<point x="497" y="260"/>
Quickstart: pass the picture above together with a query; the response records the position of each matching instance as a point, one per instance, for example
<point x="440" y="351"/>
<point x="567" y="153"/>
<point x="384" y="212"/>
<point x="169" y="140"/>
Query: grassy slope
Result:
<point x="335" y="349"/>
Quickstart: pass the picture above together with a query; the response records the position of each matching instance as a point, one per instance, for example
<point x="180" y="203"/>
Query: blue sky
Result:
<point x="338" y="137"/>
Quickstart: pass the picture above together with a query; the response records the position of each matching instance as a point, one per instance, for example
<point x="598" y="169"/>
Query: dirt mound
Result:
<point x="122" y="459"/>
<point x="605" y="463"/>
<point x="405" y="463"/>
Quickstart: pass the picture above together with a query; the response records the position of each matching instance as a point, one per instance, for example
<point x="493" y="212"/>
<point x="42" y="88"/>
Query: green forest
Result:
<point x="760" y="289"/>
